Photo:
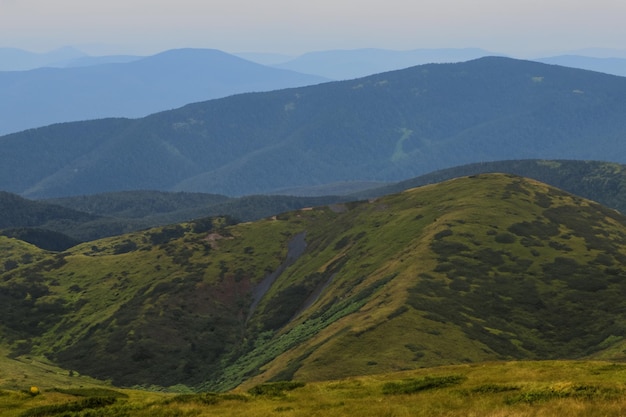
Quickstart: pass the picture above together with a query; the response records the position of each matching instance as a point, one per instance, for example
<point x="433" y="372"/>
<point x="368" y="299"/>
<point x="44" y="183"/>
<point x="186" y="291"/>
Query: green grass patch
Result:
<point x="72" y="407"/>
<point x="91" y="392"/>
<point x="492" y="389"/>
<point x="275" y="389"/>
<point x="578" y="392"/>
<point x="412" y="386"/>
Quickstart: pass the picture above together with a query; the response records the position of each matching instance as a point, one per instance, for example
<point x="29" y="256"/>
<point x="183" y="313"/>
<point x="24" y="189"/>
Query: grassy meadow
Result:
<point x="517" y="388"/>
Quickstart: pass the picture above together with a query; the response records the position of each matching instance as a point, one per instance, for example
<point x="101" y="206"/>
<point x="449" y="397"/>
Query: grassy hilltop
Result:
<point x="473" y="269"/>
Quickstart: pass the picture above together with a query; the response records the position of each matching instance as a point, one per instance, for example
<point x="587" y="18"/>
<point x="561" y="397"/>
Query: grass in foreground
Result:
<point x="553" y="388"/>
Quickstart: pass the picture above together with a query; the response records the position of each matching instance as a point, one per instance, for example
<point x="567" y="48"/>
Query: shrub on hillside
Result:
<point x="411" y="386"/>
<point x="275" y="389"/>
<point x="67" y="408"/>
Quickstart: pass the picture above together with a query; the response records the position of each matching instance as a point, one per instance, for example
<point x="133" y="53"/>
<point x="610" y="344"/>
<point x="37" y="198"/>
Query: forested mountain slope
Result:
<point x="385" y="127"/>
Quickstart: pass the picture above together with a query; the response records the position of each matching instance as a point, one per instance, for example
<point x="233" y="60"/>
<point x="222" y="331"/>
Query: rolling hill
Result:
<point x="387" y="127"/>
<point x="137" y="88"/>
<point x="487" y="267"/>
<point x="603" y="182"/>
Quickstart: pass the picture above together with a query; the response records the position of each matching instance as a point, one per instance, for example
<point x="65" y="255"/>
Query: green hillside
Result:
<point x="480" y="268"/>
<point x="603" y="182"/>
<point x="385" y="127"/>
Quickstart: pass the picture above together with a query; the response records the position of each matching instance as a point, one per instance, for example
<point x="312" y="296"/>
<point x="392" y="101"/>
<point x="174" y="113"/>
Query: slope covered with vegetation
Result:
<point x="477" y="268"/>
<point x="604" y="182"/>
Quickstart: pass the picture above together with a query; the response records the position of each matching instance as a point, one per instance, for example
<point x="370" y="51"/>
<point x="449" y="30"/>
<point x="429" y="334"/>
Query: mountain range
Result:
<point x="14" y="59"/>
<point x="354" y="63"/>
<point x="134" y="87"/>
<point x="335" y="64"/>
<point x="105" y="86"/>
<point x="386" y="127"/>
<point x="480" y="268"/>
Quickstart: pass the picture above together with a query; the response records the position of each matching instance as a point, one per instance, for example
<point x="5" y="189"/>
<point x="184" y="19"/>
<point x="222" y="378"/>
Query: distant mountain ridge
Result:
<point x="386" y="127"/>
<point x="86" y="61"/>
<point x="136" y="88"/>
<point x="355" y="63"/>
<point x="615" y="66"/>
<point x="14" y="59"/>
<point x="104" y="86"/>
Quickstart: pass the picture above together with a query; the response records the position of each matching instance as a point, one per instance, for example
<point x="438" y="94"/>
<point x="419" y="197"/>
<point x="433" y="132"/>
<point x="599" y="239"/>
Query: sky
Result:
<point x="528" y="28"/>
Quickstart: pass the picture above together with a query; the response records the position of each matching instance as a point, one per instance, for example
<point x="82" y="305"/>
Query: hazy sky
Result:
<point x="521" y="28"/>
